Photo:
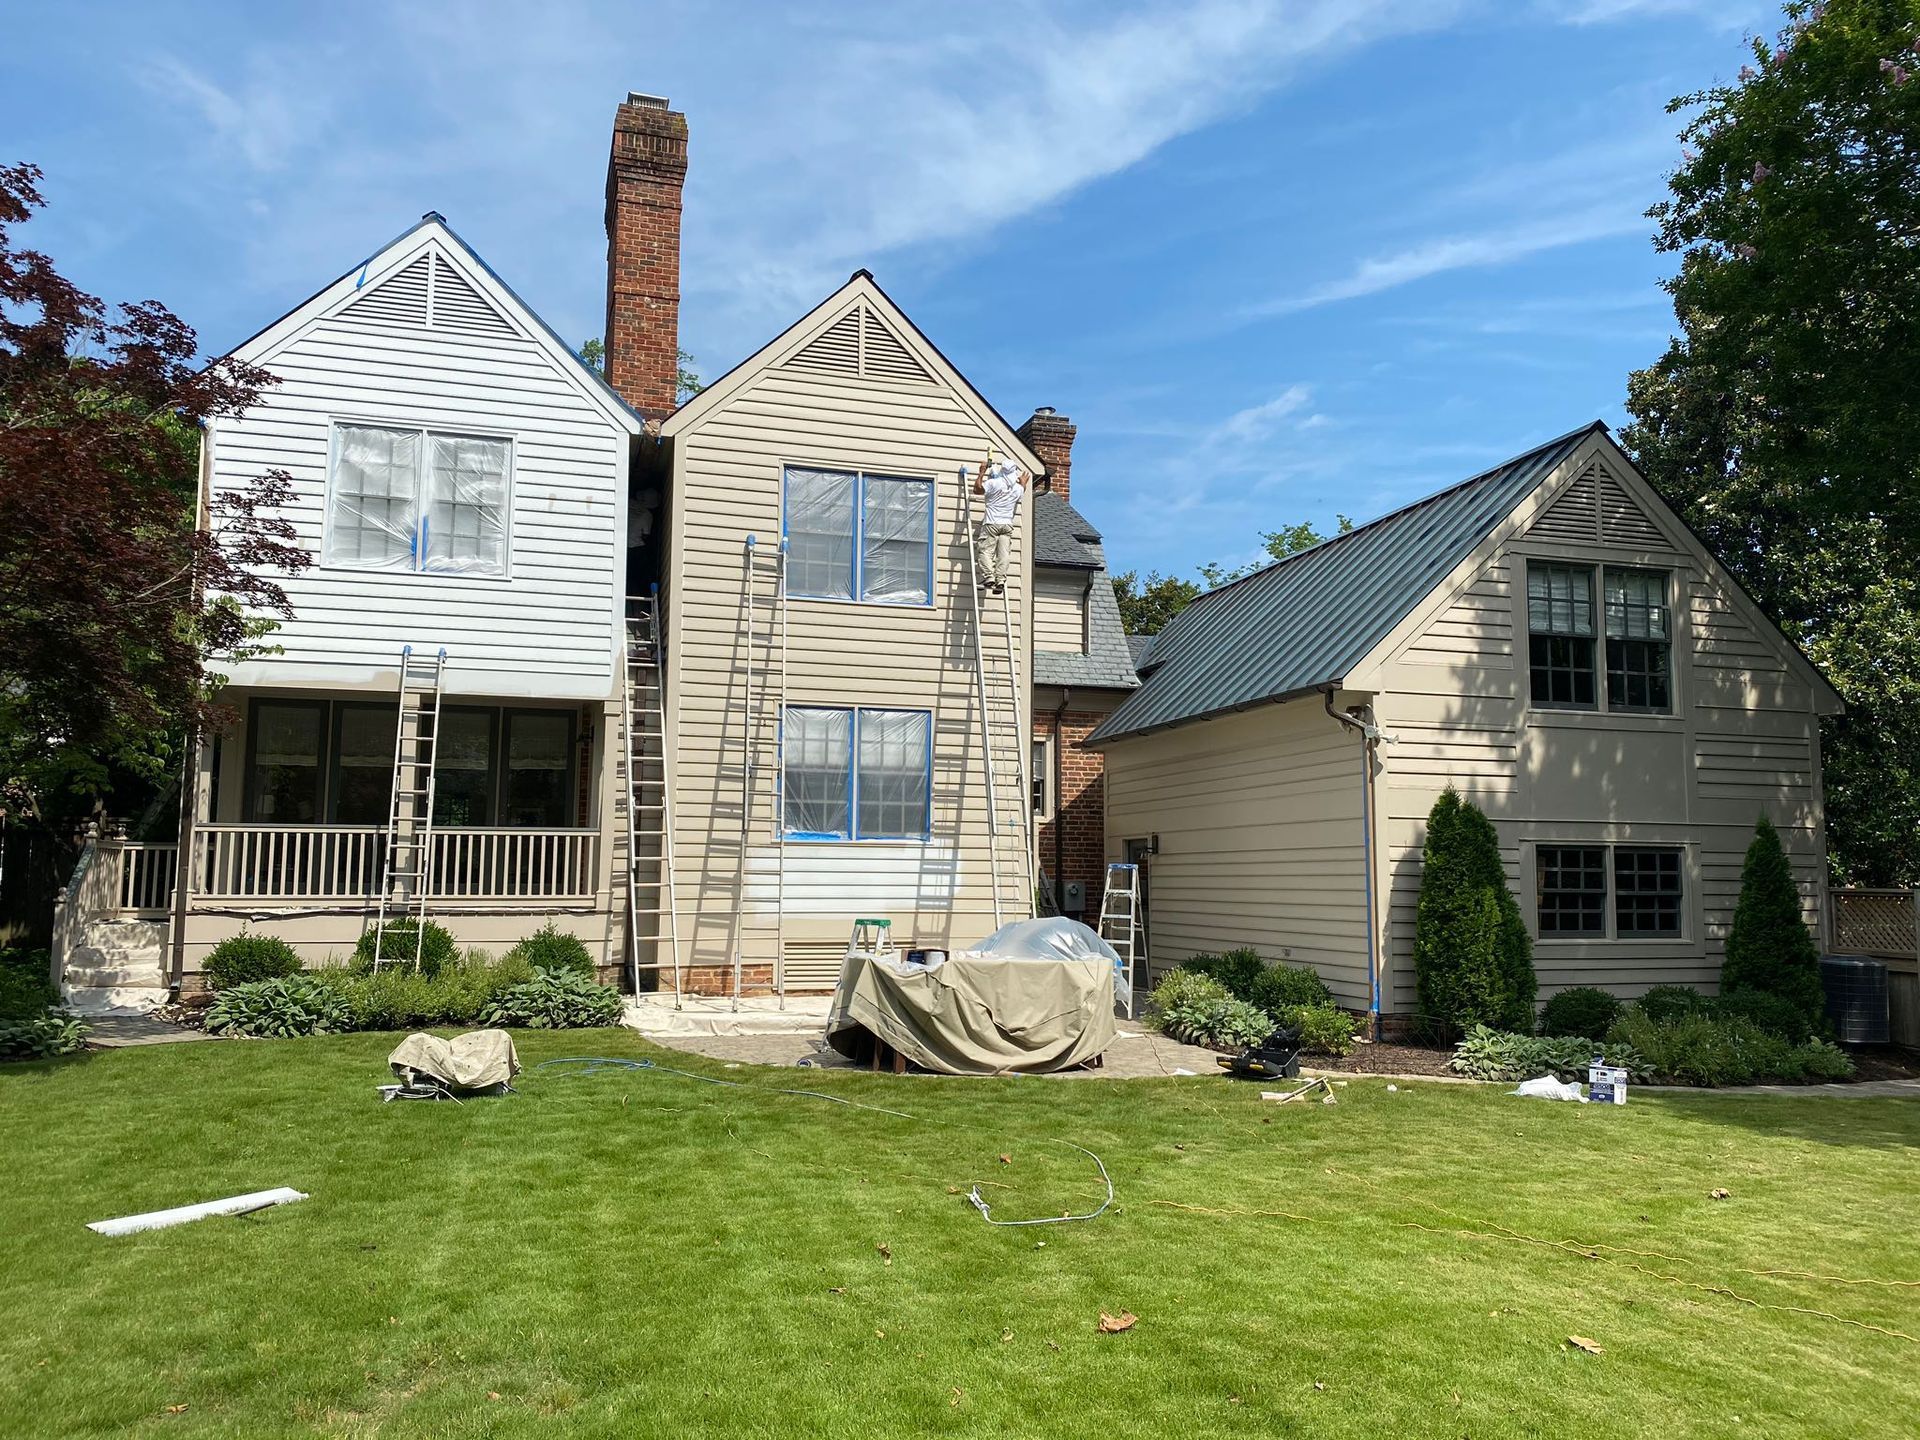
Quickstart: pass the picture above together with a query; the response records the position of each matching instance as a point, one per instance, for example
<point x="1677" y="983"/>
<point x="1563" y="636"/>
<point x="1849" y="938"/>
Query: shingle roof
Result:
<point x="1305" y="621"/>
<point x="1062" y="535"/>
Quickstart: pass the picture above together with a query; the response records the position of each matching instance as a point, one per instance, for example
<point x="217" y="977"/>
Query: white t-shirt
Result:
<point x="1002" y="488"/>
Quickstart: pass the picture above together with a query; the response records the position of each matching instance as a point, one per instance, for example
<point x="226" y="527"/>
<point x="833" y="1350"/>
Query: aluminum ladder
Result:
<point x="648" y="798"/>
<point x="762" y="738"/>
<point x="1006" y="748"/>
<point x="1120" y="927"/>
<point x="406" y="867"/>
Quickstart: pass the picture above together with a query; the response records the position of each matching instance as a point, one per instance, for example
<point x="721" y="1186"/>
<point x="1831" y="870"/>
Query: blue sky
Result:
<point x="1277" y="260"/>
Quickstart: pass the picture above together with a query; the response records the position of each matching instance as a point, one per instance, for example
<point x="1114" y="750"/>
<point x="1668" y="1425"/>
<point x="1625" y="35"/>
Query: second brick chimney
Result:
<point x="645" y="173"/>
<point x="1050" y="436"/>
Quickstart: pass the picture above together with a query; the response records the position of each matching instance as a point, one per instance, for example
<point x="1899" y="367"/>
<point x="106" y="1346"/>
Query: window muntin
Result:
<point x="418" y="500"/>
<point x="284" y="779"/>
<point x="856" y="536"/>
<point x="1571" y="896"/>
<point x="1560" y="635"/>
<point x="1639" y="641"/>
<point x="1647" y="890"/>
<point x="862" y="774"/>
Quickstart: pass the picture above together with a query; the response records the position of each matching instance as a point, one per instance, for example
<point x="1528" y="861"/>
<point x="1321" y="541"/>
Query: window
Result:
<point x="1560" y="634"/>
<point x="1573" y="891"/>
<point x="363" y="761"/>
<point x="857" y="774"/>
<point x="1639" y="643"/>
<point x="1646" y="891"/>
<point x="853" y="536"/>
<point x="1041" y="777"/>
<point x="463" y="768"/>
<point x="539" y="768"/>
<point x="418" y="501"/>
<point x="283" y="778"/>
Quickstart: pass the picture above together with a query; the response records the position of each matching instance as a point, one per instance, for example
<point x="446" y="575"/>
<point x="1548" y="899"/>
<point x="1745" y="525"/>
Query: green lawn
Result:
<point x="637" y="1254"/>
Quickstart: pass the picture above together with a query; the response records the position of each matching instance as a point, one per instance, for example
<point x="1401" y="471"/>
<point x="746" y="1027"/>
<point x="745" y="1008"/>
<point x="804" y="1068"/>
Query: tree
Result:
<point x="686" y="379"/>
<point x="117" y="594"/>
<point x="1783" y="422"/>
<point x="1147" y="605"/>
<point x="1472" y="956"/>
<point x="1769" y="947"/>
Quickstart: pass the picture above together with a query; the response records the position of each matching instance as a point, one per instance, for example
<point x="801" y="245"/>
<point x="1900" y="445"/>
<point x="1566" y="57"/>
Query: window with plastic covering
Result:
<point x="412" y="500"/>
<point x="854" y="536"/>
<point x="857" y="774"/>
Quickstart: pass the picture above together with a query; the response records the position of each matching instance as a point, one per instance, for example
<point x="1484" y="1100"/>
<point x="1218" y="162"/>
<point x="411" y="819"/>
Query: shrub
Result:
<point x="1183" y="987"/>
<point x="243" y="958"/>
<point x="1472" y="956"/>
<point x="555" y="1001"/>
<point x="1489" y="1054"/>
<point x="399" y="941"/>
<point x="400" y="999"/>
<point x="551" y="949"/>
<point x="1670" y="1002"/>
<point x="1583" y="1010"/>
<point x="1218" y="1024"/>
<point x="1772" y="1013"/>
<point x="287" y="1006"/>
<point x="1279" y="987"/>
<point x="1324" y="1029"/>
<point x="40" y="1036"/>
<point x="1238" y="970"/>
<point x="25" y="991"/>
<point x="1769" y="947"/>
<point x="1708" y="1049"/>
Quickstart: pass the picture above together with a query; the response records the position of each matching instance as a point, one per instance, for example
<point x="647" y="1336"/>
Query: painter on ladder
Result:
<point x="1003" y="483"/>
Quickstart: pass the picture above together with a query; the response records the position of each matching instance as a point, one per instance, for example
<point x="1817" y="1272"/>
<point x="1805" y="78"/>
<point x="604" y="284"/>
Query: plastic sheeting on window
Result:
<point x="818" y="784"/>
<point x="819" y="523"/>
<point x="373" y="505"/>
<point x="896" y="560"/>
<point x="1636" y="605"/>
<point x="1559" y="600"/>
<point x="467" y="522"/>
<point x="893" y="775"/>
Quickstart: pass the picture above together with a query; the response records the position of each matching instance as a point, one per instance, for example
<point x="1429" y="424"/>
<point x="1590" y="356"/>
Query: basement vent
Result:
<point x="814" y="964"/>
<point x="836" y="351"/>
<point x="399" y="299"/>
<point x="458" y="306"/>
<point x="1575" y="514"/>
<point x="886" y="358"/>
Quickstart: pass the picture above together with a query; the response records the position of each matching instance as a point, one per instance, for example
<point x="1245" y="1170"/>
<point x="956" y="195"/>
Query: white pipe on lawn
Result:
<point x="185" y="1214"/>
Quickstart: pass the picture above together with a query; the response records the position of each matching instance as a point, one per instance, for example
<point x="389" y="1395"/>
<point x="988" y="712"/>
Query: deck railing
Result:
<point x="322" y="864"/>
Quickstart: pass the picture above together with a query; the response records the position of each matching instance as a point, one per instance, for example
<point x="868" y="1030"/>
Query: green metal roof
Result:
<point x="1303" y="622"/>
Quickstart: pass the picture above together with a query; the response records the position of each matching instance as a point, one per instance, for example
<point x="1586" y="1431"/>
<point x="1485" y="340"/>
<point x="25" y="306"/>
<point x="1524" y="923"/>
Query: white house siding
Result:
<point x="819" y="412"/>
<point x="547" y="631"/>
<point x="1743" y="740"/>
<point x="1060" y="612"/>
<point x="1259" y="824"/>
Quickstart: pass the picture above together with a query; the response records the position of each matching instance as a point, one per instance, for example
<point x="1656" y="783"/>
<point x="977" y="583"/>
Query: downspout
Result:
<point x="188" y="843"/>
<point x="1369" y="737"/>
<point x="1059" y="829"/>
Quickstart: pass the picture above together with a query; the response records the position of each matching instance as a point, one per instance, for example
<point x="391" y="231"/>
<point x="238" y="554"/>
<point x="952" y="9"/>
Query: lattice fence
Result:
<point x="1877" y="922"/>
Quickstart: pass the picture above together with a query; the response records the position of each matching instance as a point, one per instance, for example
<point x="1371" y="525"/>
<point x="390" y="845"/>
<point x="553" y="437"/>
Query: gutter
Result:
<point x="1369" y="738"/>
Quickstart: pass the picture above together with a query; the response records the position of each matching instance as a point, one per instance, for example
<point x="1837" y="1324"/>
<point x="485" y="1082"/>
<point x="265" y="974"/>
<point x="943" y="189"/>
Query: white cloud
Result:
<point x="1257" y="422"/>
<point x="265" y="119"/>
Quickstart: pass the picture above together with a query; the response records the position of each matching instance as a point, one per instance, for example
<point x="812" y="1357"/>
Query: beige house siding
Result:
<point x="858" y="395"/>
<point x="1743" y="739"/>
<point x="1060" y="612"/>
<point x="1259" y="824"/>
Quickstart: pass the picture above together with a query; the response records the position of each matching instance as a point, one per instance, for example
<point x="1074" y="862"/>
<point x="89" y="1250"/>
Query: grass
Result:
<point x="636" y="1254"/>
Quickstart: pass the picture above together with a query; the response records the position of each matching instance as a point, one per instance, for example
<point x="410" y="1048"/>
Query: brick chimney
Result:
<point x="645" y="171"/>
<point x="1050" y="436"/>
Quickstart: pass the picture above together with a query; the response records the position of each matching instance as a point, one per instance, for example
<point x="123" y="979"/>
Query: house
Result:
<point x="1547" y="637"/>
<point x="702" y="683"/>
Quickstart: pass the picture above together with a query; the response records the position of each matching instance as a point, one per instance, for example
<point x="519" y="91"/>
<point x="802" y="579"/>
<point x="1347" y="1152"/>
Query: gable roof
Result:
<point x="432" y="236"/>
<point x="1062" y="535"/>
<point x="1303" y="622"/>
<point x="861" y="288"/>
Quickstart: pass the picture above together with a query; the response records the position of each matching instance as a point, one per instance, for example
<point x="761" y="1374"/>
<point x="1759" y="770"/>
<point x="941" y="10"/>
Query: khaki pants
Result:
<point x="990" y="552"/>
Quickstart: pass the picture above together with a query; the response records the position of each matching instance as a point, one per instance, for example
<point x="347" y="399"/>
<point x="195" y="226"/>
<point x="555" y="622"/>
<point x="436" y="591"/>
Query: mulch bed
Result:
<point x="1384" y="1059"/>
<point x="1884" y="1062"/>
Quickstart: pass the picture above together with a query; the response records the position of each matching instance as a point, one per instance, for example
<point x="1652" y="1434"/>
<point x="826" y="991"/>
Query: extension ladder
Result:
<point x="1120" y="927"/>
<point x="1006" y="748"/>
<point x="643" y="735"/>
<point x="755" y="929"/>
<point x="406" y="867"/>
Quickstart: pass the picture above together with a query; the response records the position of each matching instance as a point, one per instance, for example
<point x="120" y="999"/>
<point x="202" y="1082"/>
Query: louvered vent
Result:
<point x="1623" y="522"/>
<point x="1575" y="515"/>
<point x="458" y="306"/>
<point x="835" y="351"/>
<point x="814" y="964"/>
<point x="887" y="358"/>
<point x="399" y="299"/>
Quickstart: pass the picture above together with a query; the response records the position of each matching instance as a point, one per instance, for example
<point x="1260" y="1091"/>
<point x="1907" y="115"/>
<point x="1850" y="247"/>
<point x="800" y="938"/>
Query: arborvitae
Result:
<point x="1769" y="947"/>
<point x="1472" y="956"/>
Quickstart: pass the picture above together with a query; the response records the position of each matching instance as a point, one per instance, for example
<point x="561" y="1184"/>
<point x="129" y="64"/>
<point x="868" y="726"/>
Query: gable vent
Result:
<point x="1575" y="515"/>
<point x="1623" y="522"/>
<point x="886" y="358"/>
<point x="399" y="299"/>
<point x="835" y="351"/>
<point x="458" y="306"/>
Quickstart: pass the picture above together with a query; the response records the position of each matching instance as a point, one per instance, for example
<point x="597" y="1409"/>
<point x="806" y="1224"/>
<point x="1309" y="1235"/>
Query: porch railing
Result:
<point x="145" y="873"/>
<point x="1885" y="923"/>
<point x="323" y="864"/>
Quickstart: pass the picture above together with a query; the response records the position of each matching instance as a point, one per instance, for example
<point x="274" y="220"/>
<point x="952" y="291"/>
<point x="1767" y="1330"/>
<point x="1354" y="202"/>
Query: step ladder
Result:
<point x="406" y="867"/>
<point x="1120" y="927"/>
<point x="648" y="799"/>
<point x="872" y="939"/>
<point x="1006" y="747"/>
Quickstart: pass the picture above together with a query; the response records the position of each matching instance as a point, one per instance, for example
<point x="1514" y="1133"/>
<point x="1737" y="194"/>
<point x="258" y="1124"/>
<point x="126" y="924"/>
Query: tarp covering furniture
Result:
<point x="1033" y="997"/>
<point x="476" y="1060"/>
